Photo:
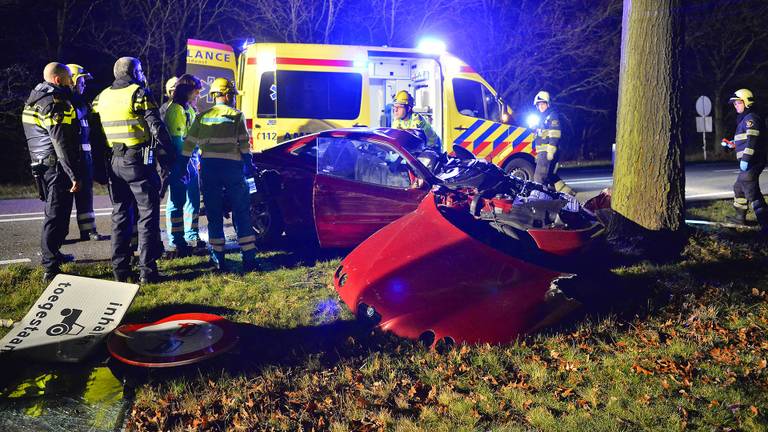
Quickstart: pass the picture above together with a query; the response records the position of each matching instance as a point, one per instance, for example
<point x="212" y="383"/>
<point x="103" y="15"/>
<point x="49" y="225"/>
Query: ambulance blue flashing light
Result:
<point x="429" y="45"/>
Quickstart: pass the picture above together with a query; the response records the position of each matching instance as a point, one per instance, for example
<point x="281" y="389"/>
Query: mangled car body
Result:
<point x="479" y="260"/>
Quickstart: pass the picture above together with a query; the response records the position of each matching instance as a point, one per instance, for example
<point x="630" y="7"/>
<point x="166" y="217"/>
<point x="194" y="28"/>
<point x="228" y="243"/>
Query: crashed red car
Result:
<point x="337" y="186"/>
<point x="480" y="260"/>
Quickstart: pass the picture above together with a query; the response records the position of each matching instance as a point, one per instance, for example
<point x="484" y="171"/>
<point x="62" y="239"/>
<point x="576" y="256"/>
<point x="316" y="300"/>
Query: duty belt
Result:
<point x="48" y="160"/>
<point x="119" y="149"/>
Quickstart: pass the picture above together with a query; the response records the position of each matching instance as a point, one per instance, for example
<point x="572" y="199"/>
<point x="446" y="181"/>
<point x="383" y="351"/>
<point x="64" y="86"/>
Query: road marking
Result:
<point x="42" y="218"/>
<point x="711" y="195"/>
<point x="15" y="261"/>
<point x="728" y="170"/>
<point x="578" y="182"/>
<point x="109" y="209"/>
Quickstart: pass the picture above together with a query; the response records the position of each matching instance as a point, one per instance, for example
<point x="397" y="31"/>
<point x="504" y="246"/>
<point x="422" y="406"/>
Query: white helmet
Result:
<point x="541" y="96"/>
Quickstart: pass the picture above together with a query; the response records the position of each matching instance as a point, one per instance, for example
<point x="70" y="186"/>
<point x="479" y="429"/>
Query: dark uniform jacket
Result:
<point x="92" y="139"/>
<point x="750" y="146"/>
<point x="548" y="133"/>
<point x="52" y="128"/>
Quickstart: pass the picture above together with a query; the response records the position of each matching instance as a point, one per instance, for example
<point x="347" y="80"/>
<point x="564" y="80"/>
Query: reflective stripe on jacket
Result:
<point x="548" y="132"/>
<point x="122" y="115"/>
<point x="220" y="133"/>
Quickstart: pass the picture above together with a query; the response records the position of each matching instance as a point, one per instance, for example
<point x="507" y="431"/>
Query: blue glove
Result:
<point x="743" y="165"/>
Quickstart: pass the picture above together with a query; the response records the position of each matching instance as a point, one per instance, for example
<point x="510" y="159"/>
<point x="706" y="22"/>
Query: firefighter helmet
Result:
<point x="78" y="71"/>
<point x="743" y="95"/>
<point x="222" y="86"/>
<point x="541" y="96"/>
<point x="403" y="98"/>
<point x="170" y="85"/>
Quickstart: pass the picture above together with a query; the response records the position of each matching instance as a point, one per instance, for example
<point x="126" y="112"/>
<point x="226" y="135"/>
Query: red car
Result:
<point x="337" y="186"/>
<point x="480" y="260"/>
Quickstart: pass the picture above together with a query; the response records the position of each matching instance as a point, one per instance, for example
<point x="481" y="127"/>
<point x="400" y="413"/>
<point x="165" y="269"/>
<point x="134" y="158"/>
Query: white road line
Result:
<point x="42" y="217"/>
<point x="162" y="207"/>
<point x="15" y="261"/>
<point x="578" y="182"/>
<point x="735" y="171"/>
<point x="711" y="195"/>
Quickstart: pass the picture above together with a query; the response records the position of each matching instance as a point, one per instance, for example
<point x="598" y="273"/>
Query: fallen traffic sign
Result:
<point x="176" y="340"/>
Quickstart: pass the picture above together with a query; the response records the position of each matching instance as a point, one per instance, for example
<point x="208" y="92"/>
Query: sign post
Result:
<point x="704" y="121"/>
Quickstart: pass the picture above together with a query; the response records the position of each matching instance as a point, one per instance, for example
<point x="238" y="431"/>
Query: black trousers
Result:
<point x="747" y="186"/>
<point x="58" y="208"/>
<point x="86" y="219"/>
<point x="135" y="192"/>
<point x="546" y="170"/>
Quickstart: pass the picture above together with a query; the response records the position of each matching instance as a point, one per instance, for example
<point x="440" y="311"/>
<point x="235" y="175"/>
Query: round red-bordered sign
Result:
<point x="176" y="340"/>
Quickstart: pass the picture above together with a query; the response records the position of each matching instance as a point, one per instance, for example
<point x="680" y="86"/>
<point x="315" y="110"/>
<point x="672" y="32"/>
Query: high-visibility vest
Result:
<point x="219" y="133"/>
<point x="121" y="122"/>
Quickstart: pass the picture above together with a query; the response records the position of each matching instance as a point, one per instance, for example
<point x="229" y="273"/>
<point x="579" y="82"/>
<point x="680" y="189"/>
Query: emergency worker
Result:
<point x="170" y="85"/>
<point x="225" y="162"/>
<point x="751" y="154"/>
<point x="138" y="140"/>
<point x="405" y="118"/>
<point x="86" y="218"/>
<point x="548" y="133"/>
<point x="183" y="206"/>
<point x="53" y="138"/>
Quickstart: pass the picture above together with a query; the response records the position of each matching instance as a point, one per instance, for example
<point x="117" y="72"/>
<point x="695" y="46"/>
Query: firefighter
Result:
<point x="183" y="206"/>
<point x="86" y="218"/>
<point x="225" y="158"/>
<point x="138" y="140"/>
<point x="548" y="134"/>
<point x="53" y="138"/>
<point x="751" y="153"/>
<point x="405" y="118"/>
<point x="170" y="85"/>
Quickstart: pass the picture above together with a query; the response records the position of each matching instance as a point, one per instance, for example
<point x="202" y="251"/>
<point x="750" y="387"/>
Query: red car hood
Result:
<point x="422" y="274"/>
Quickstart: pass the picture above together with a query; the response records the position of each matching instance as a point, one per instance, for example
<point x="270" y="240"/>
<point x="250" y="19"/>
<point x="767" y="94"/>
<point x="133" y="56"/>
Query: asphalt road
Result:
<point x="20" y="220"/>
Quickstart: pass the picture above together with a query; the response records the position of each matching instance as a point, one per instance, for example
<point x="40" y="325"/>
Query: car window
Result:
<point x="310" y="95"/>
<point x="362" y="161"/>
<point x="473" y="99"/>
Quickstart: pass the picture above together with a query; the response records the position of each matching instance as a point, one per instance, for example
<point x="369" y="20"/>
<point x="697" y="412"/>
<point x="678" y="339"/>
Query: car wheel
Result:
<point x="267" y="222"/>
<point x="520" y="168"/>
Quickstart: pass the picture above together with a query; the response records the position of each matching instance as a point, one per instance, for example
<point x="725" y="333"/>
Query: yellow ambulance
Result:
<point x="290" y="90"/>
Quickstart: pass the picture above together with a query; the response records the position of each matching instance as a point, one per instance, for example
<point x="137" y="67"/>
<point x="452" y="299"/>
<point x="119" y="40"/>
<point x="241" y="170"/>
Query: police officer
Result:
<point x="548" y="134"/>
<point x="53" y="138"/>
<point x="751" y="153"/>
<point x="131" y="120"/>
<point x="183" y="206"/>
<point x="225" y="158"/>
<point x="405" y="118"/>
<point x="86" y="218"/>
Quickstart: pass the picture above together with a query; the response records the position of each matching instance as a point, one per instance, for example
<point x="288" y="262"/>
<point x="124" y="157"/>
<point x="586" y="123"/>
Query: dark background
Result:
<point x="569" y="47"/>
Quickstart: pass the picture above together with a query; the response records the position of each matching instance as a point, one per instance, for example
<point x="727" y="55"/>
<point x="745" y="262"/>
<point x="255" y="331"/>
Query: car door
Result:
<point x="360" y="187"/>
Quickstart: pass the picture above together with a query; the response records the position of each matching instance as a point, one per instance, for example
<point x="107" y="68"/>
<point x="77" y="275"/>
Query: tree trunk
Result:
<point x="718" y="120"/>
<point x="649" y="181"/>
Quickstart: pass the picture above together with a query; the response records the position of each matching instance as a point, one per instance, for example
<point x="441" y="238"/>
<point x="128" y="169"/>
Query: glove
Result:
<point x="743" y="165"/>
<point x="550" y="155"/>
<point x="728" y="144"/>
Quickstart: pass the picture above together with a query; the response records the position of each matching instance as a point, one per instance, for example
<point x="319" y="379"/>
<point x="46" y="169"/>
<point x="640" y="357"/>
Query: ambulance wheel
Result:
<point x="520" y="168"/>
<point x="267" y="222"/>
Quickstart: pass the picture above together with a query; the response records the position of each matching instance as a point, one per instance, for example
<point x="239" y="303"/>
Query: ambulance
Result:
<point x="290" y="90"/>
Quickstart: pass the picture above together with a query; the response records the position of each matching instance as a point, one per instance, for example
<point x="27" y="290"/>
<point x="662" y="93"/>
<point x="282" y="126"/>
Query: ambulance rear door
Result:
<point x="208" y="61"/>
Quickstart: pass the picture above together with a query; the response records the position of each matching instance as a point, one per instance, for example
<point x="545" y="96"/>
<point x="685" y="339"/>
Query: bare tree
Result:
<point x="649" y="184"/>
<point x="156" y="31"/>
<point x="725" y="43"/>
<point x="306" y="21"/>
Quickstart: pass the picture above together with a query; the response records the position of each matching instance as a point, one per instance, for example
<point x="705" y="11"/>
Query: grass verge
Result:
<point x="687" y="352"/>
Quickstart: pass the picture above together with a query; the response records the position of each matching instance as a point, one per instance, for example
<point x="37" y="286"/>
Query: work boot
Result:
<point x="92" y="236"/>
<point x="762" y="218"/>
<point x="739" y="217"/>
<point x="149" y="277"/>
<point x="177" y="251"/>
<point x="124" y="276"/>
<point x="249" y="265"/>
<point x="219" y="264"/>
<point x="50" y="274"/>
